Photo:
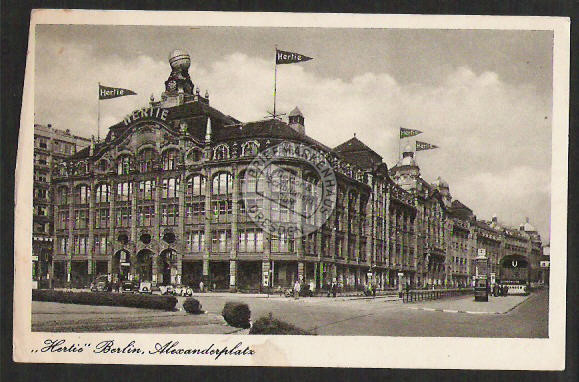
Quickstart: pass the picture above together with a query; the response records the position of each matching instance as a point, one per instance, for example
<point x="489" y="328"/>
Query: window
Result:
<point x="80" y="219"/>
<point x="170" y="188"/>
<point x="169" y="214"/>
<point x="124" y="165"/>
<point x="195" y="155"/>
<point x="62" y="196"/>
<point x="222" y="184"/>
<point x="249" y="149"/>
<point x="124" y="217"/>
<point x="170" y="160"/>
<point x="101" y="244"/>
<point x="251" y="240"/>
<point x="146" y="190"/>
<point x="282" y="243"/>
<point x="196" y="185"/>
<point x="80" y="245"/>
<point x="196" y="241"/>
<point x="63" y="244"/>
<point x="63" y="220"/>
<point x="101" y="218"/>
<point x="82" y="194"/>
<point x="146" y="215"/>
<point x="221" y="241"/>
<point x="221" y="152"/>
<point x="147" y="160"/>
<point x="124" y="191"/>
<point x="194" y="212"/>
<point x="102" y="193"/>
<point x="103" y="164"/>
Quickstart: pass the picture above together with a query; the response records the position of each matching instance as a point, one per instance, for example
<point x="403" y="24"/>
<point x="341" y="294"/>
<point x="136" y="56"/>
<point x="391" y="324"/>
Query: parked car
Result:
<point x="101" y="284"/>
<point x="166" y="289"/>
<point x="128" y="287"/>
<point x="183" y="290"/>
<point x="146" y="287"/>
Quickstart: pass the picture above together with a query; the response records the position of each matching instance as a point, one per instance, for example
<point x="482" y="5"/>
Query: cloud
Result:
<point x="494" y="136"/>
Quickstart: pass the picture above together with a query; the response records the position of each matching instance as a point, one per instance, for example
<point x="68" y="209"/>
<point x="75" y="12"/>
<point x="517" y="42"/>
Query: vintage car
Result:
<point x="128" y="286"/>
<point x="166" y="289"/>
<point x="101" y="284"/>
<point x="146" y="287"/>
<point x="182" y="290"/>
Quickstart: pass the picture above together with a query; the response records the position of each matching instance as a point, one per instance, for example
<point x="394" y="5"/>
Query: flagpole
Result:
<point x="275" y="83"/>
<point x="99" y="114"/>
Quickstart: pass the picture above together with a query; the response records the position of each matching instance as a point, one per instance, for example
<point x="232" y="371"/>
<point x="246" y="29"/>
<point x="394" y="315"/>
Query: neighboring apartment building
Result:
<point x="50" y="146"/>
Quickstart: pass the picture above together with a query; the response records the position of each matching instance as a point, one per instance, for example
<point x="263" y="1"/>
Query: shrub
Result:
<point x="237" y="314"/>
<point x="193" y="306"/>
<point x="270" y="325"/>
<point x="106" y="299"/>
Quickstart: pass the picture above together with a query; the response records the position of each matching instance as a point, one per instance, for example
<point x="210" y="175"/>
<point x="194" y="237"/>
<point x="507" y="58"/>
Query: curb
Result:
<point x="467" y="311"/>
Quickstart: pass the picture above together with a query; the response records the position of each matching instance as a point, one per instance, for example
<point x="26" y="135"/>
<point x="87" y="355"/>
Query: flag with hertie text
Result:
<point x="405" y="133"/>
<point x="424" y="146"/>
<point x="283" y="57"/>
<point x="107" y="92"/>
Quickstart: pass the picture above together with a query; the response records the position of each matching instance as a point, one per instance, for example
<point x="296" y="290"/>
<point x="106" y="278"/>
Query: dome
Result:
<point x="528" y="227"/>
<point x="179" y="59"/>
<point x="440" y="183"/>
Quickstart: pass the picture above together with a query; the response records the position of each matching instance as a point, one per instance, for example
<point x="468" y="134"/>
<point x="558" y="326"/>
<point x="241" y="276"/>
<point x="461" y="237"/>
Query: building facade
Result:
<point x="161" y="199"/>
<point x="51" y="146"/>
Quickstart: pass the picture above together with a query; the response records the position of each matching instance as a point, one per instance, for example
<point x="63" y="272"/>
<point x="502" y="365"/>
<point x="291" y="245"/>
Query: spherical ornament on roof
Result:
<point x="179" y="59"/>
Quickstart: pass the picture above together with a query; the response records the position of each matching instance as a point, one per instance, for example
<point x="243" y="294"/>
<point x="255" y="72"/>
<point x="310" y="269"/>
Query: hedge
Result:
<point x="193" y="306"/>
<point x="106" y="299"/>
<point x="237" y="314"/>
<point x="270" y="325"/>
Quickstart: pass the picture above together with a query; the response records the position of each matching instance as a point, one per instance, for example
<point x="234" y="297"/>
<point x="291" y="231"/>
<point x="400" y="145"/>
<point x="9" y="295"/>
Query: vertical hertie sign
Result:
<point x="106" y="92"/>
<point x="283" y="57"/>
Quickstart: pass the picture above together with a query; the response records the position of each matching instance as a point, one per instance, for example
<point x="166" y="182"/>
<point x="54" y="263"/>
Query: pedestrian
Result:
<point x="500" y="290"/>
<point x="506" y="290"/>
<point x="297" y="290"/>
<point x="495" y="290"/>
<point x="334" y="289"/>
<point x="201" y="286"/>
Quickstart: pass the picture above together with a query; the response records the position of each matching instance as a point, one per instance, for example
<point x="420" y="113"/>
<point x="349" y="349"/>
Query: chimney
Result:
<point x="296" y="120"/>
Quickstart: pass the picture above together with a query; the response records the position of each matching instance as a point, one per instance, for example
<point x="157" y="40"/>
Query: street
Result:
<point x="515" y="316"/>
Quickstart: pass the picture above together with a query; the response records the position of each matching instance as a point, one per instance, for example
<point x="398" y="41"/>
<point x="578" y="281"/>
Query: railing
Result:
<point x="423" y="295"/>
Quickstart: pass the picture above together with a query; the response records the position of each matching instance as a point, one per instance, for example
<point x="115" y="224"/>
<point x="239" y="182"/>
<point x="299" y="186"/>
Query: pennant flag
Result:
<point x="106" y="92"/>
<point x="283" y="57"/>
<point x="424" y="146"/>
<point x="405" y="133"/>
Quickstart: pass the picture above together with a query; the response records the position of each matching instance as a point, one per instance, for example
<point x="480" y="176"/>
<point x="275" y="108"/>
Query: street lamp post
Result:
<point x="481" y="291"/>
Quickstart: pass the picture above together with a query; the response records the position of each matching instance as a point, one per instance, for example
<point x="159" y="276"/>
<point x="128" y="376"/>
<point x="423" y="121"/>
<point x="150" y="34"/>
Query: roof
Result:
<point x="457" y="204"/>
<point x="358" y="153"/>
<point x="296" y="111"/>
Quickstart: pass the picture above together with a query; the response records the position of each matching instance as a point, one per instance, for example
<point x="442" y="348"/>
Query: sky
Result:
<point x="483" y="96"/>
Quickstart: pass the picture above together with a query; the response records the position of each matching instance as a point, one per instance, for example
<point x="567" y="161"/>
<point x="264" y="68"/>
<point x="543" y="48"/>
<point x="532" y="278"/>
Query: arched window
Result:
<point x="82" y="194"/>
<point x="170" y="160"/>
<point x="102" y="193"/>
<point x="222" y="184"/>
<point x="196" y="185"/>
<point x="147" y="160"/>
<point x="195" y="155"/>
<point x="249" y="149"/>
<point x="124" y="165"/>
<point x="221" y="152"/>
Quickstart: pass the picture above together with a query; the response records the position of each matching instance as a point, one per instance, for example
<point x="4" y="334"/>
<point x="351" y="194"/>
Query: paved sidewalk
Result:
<point x="466" y="304"/>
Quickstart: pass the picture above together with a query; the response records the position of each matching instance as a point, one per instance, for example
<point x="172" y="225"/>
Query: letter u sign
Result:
<point x="515" y="263"/>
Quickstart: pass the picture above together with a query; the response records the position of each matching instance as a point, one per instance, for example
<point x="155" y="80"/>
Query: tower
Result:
<point x="296" y="120"/>
<point x="178" y="87"/>
<point x="406" y="173"/>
